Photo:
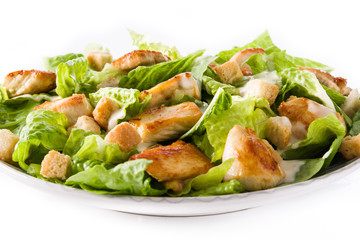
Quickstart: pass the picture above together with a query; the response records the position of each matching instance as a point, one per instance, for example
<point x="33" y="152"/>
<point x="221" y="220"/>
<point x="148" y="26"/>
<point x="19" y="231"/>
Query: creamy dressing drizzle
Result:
<point x="270" y="77"/>
<point x="113" y="121"/>
<point x="291" y="168"/>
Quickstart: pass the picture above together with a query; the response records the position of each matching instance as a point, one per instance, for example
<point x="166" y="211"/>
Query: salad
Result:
<point x="155" y="122"/>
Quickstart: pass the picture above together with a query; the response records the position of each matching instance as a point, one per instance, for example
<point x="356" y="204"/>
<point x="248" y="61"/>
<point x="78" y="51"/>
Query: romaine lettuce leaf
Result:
<point x="128" y="178"/>
<point x="247" y="112"/>
<point x="200" y="66"/>
<point x="74" y="76"/>
<point x="146" y="77"/>
<point x="355" y="129"/>
<point x="51" y="63"/>
<point x="3" y="94"/>
<point x="109" y="72"/>
<point x="211" y="86"/>
<point x="43" y="131"/>
<point x="322" y="133"/>
<point x="143" y="43"/>
<point x="335" y="96"/>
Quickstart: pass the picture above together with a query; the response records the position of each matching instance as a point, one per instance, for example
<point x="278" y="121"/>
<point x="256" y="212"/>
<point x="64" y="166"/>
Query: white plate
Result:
<point x="183" y="206"/>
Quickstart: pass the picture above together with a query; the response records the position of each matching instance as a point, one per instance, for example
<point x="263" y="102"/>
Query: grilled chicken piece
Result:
<point x="234" y="69"/>
<point x="182" y="84"/>
<point x="103" y="111"/>
<point x="86" y="123"/>
<point x="137" y="58"/>
<point x="261" y="89"/>
<point x="278" y="131"/>
<point x="29" y="82"/>
<point x="8" y="140"/>
<point x="256" y="165"/>
<point x="97" y="59"/>
<point x="73" y="107"/>
<point x="125" y="136"/>
<point x="166" y="123"/>
<point x="352" y="103"/>
<point x="302" y="111"/>
<point x="176" y="163"/>
<point x="325" y="78"/>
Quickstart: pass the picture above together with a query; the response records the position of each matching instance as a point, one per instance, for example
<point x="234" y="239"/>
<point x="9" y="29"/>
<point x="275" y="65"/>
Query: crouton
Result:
<point x="350" y="147"/>
<point x="278" y="131"/>
<point x="261" y="89"/>
<point x="97" y="59"/>
<point x="88" y="124"/>
<point x="166" y="123"/>
<point x="29" y="82"/>
<point x="56" y="165"/>
<point x="73" y="107"/>
<point x="256" y="165"/>
<point x="182" y="84"/>
<point x="352" y="103"/>
<point x="8" y="141"/>
<point x="125" y="136"/>
<point x="176" y="163"/>
<point x="229" y="72"/>
<point x="137" y="58"/>
<point x="103" y="111"/>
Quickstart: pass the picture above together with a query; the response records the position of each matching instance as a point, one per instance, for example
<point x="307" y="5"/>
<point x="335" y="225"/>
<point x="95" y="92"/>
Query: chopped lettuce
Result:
<point x="145" y="77"/>
<point x="51" y="63"/>
<point x="43" y="131"/>
<point x="211" y="86"/>
<point x="3" y="94"/>
<point x="355" y="129"/>
<point x="128" y="178"/>
<point x="143" y="43"/>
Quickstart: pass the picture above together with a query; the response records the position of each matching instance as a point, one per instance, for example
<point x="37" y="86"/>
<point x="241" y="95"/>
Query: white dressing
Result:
<point x="113" y="121"/>
<point x="291" y="168"/>
<point x="270" y="77"/>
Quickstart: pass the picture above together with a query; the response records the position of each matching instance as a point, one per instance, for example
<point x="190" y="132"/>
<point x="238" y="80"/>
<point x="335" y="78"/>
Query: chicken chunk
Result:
<point x="103" y="111"/>
<point x="176" y="163"/>
<point x="302" y="111"/>
<point x="229" y="72"/>
<point x="256" y="165"/>
<point x="137" y="58"/>
<point x="235" y="69"/>
<point x="278" y="131"/>
<point x="350" y="147"/>
<point x="88" y="124"/>
<point x="97" y="59"/>
<point x="125" y="136"/>
<point x="352" y="103"/>
<point x="56" y="165"/>
<point x="182" y="84"/>
<point x="166" y="123"/>
<point x="8" y="141"/>
<point x="73" y="107"/>
<point x="325" y="78"/>
<point x="261" y="89"/>
<point x="29" y="82"/>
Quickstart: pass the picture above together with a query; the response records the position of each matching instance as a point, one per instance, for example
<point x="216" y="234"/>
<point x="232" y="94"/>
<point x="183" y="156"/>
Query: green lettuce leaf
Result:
<point x="355" y="129"/>
<point x="143" y="43"/>
<point x="199" y="67"/>
<point x="221" y="102"/>
<point x="146" y="77"/>
<point x="302" y="84"/>
<point x="211" y="86"/>
<point x="224" y="188"/>
<point x="44" y="130"/>
<point x="334" y="95"/>
<point x="51" y="63"/>
<point x="247" y="112"/>
<point x="322" y="133"/>
<point x="109" y="72"/>
<point x="3" y="94"/>
<point x="74" y="76"/>
<point x="128" y="178"/>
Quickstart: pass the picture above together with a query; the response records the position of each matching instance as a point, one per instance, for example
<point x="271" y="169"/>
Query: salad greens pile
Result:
<point x="101" y="167"/>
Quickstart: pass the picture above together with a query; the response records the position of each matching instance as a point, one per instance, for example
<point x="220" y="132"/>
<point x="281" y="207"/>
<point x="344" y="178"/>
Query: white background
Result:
<point x="326" y="31"/>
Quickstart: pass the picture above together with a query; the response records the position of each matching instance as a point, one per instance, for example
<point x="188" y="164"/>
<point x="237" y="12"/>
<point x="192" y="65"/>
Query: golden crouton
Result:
<point x="137" y="58"/>
<point x="125" y="136"/>
<point x="88" y="124"/>
<point x="175" y="163"/>
<point x="73" y="107"/>
<point x="103" y="111"/>
<point x="229" y="72"/>
<point x="97" y="59"/>
<point x="182" y="84"/>
<point x="166" y="123"/>
<point x="256" y="165"/>
<point x="261" y="89"/>
<point x="278" y="131"/>
<point x="56" y="165"/>
<point x="8" y="141"/>
<point x="352" y="103"/>
<point x="350" y="147"/>
<point x="29" y="82"/>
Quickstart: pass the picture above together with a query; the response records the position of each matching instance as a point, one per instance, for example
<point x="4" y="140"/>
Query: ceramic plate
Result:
<point x="184" y="206"/>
